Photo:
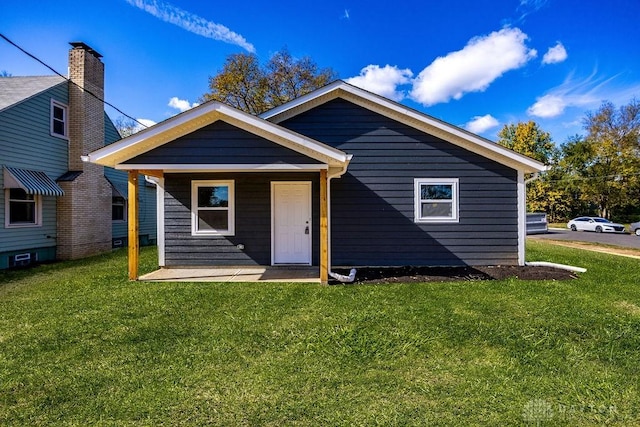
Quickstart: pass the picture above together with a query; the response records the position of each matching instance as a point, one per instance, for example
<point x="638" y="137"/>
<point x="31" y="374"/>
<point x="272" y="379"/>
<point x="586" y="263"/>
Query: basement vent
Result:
<point x="22" y="260"/>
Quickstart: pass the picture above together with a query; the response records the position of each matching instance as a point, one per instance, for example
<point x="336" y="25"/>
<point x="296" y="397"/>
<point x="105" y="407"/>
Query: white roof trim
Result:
<point x="274" y="167"/>
<point x="205" y="114"/>
<point x="413" y="118"/>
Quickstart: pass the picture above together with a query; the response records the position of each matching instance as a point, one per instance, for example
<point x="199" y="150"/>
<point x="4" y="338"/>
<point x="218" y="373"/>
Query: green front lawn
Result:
<point x="80" y="345"/>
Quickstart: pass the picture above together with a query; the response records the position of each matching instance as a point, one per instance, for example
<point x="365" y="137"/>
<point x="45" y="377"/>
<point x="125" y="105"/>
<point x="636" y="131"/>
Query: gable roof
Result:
<point x="17" y="89"/>
<point x="408" y="116"/>
<point x="189" y="121"/>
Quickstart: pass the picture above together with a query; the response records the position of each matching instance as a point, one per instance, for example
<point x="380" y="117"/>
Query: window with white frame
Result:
<point x="22" y="209"/>
<point x="59" y="120"/>
<point x="212" y="208"/>
<point x="436" y="200"/>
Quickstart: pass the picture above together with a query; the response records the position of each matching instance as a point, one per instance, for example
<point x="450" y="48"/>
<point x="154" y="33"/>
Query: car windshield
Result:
<point x="601" y="220"/>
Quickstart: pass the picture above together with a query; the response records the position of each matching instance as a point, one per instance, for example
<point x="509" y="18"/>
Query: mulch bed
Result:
<point x="447" y="274"/>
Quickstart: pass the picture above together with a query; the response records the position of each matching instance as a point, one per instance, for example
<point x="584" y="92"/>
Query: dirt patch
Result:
<point x="447" y="274"/>
<point x="628" y="307"/>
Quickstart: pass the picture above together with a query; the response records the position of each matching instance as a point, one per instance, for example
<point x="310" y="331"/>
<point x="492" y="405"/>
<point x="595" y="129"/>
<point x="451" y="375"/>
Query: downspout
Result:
<point x="536" y="175"/>
<point x="522" y="213"/>
<point x="160" y="244"/>
<point x="522" y="217"/>
<point x="342" y="278"/>
<point x="554" y="265"/>
<point x="337" y="174"/>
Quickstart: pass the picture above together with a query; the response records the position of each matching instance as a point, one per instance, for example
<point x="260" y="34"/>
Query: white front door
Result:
<point x="291" y="222"/>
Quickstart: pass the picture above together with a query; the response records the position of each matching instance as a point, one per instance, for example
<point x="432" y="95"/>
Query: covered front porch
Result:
<point x="203" y="264"/>
<point x="214" y="166"/>
<point x="262" y="274"/>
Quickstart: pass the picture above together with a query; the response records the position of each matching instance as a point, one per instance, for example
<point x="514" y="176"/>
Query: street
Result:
<point x="623" y="240"/>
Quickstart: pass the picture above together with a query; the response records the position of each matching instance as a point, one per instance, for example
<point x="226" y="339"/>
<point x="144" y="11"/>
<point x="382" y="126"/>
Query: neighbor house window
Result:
<point x="436" y="200"/>
<point x="118" y="208"/>
<point x="23" y="210"/>
<point x="59" y="120"/>
<point x="212" y="211"/>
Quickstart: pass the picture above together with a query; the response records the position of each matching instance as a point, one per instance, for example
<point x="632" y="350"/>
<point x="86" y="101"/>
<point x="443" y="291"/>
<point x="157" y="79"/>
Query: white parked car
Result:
<point x="635" y="228"/>
<point x="594" y="223"/>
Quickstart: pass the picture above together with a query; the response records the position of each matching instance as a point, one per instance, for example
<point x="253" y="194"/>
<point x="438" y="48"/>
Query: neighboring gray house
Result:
<point x="53" y="205"/>
<point x="338" y="177"/>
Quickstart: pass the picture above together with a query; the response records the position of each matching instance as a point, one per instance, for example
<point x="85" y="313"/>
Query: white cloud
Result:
<point x="548" y="106"/>
<point x="142" y="124"/>
<point x="383" y="81"/>
<point x="527" y="7"/>
<point x="555" y="54"/>
<point x="181" y="104"/>
<point x="473" y="68"/>
<point x="480" y="124"/>
<point x="190" y="22"/>
<point x="585" y="93"/>
<point x="146" y="122"/>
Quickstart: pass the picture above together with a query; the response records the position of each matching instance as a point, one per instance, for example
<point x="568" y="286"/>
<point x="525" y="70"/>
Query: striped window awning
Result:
<point x="33" y="182"/>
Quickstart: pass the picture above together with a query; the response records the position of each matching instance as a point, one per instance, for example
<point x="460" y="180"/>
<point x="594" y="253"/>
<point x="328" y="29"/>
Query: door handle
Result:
<point x="306" y="230"/>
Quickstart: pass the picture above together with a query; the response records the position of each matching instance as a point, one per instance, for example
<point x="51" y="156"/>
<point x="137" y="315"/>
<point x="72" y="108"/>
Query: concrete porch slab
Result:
<point x="234" y="274"/>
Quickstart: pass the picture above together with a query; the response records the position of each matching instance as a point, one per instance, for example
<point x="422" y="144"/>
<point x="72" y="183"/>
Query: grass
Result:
<point x="80" y="345"/>
<point x="557" y="225"/>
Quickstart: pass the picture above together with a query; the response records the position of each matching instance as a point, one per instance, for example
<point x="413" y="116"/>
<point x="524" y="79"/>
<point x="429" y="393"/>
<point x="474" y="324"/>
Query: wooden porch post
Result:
<point x="133" y="225"/>
<point x="324" y="229"/>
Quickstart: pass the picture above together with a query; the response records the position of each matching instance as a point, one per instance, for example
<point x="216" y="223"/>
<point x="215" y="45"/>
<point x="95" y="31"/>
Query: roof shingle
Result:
<point x="16" y="89"/>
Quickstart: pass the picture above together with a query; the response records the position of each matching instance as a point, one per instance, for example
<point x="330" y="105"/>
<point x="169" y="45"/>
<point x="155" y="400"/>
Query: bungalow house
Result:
<point x="338" y="177"/>
<point x="53" y="205"/>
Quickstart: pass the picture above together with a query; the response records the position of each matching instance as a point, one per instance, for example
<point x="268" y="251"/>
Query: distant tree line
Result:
<point x="593" y="174"/>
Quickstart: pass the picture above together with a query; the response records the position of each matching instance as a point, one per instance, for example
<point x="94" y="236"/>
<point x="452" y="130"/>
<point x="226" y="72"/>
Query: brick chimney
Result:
<point x="84" y="212"/>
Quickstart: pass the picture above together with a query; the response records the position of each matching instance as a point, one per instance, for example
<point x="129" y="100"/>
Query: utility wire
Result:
<point x="71" y="81"/>
<point x="592" y="178"/>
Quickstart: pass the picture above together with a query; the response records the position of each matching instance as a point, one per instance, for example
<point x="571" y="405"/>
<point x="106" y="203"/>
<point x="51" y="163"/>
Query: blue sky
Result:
<point x="475" y="64"/>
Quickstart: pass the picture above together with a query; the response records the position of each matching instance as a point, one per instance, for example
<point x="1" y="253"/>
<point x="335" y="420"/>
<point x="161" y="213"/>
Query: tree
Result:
<point x="288" y="78"/>
<point x="244" y="84"/>
<point x="528" y="139"/>
<point x="241" y="84"/>
<point x="606" y="163"/>
<point x="548" y="194"/>
<point x="543" y="194"/>
<point x="575" y="155"/>
<point x="126" y="126"/>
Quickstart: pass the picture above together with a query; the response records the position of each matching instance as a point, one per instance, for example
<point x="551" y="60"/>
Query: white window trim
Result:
<point x="65" y="108"/>
<point x="7" y="212"/>
<point x="194" y="208"/>
<point x="417" y="182"/>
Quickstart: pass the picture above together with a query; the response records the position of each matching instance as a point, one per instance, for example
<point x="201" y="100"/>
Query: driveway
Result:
<point x="622" y="240"/>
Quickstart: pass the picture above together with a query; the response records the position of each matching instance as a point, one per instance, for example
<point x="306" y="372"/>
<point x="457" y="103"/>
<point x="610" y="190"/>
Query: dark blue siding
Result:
<point x="372" y="205"/>
<point x="252" y="220"/>
<point x="221" y="143"/>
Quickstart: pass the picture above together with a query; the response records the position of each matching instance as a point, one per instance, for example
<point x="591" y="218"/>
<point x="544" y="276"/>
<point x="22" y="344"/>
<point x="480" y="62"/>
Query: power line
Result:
<point x="71" y="81"/>
<point x="592" y="178"/>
